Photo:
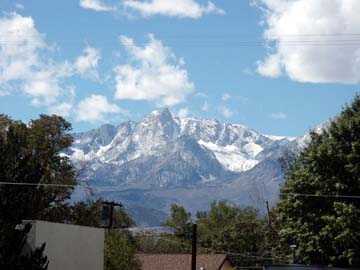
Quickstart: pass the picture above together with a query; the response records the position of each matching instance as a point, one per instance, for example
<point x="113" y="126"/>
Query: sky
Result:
<point x="281" y="67"/>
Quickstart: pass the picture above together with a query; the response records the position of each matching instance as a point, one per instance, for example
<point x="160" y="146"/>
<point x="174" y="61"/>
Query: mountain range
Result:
<point x="162" y="160"/>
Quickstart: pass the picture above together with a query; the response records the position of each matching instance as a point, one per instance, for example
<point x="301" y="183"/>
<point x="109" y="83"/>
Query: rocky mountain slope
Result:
<point x="189" y="161"/>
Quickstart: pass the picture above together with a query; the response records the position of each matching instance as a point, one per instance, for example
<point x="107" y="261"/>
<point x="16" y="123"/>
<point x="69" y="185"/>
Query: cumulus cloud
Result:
<point x="94" y="108"/>
<point x="225" y="97"/>
<point x="26" y="65"/>
<point x="201" y="94"/>
<point x="226" y="112"/>
<point x="277" y="116"/>
<point x="97" y="5"/>
<point x="153" y="73"/>
<point x="20" y="59"/>
<point x="19" y="6"/>
<point x="86" y="65"/>
<point x="311" y="41"/>
<point x="183" y="113"/>
<point x="172" y="8"/>
<point x="63" y="109"/>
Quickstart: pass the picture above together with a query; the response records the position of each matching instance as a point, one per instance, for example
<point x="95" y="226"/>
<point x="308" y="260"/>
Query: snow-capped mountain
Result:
<point x="180" y="157"/>
<point x="160" y="137"/>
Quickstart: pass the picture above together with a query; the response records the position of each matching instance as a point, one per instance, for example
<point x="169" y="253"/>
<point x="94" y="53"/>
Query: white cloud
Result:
<point x="183" y="113"/>
<point x="201" y="94"/>
<point x="205" y="107"/>
<point x="94" y="107"/>
<point x="19" y="6"/>
<point x="225" y="97"/>
<point x="172" y="8"/>
<point x="43" y="87"/>
<point x="271" y="67"/>
<point x="277" y="115"/>
<point x="97" y="5"/>
<point x="63" y="109"/>
<point x="226" y="112"/>
<point x="20" y="59"/>
<point x="26" y="65"/>
<point x="86" y="65"/>
<point x="310" y="41"/>
<point x="153" y="74"/>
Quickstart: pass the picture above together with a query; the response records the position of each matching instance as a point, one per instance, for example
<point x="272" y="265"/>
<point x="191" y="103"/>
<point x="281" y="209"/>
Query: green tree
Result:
<point x="120" y="251"/>
<point x="12" y="247"/>
<point x="326" y="229"/>
<point x="180" y="221"/>
<point x="30" y="157"/>
<point x="86" y="213"/>
<point x="31" y="154"/>
<point x="89" y="213"/>
<point x="222" y="228"/>
<point x="231" y="228"/>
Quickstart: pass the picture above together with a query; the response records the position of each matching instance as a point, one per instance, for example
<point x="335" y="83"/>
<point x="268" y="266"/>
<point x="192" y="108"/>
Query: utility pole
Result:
<point x="194" y="243"/>
<point x="110" y="206"/>
<point x="268" y="212"/>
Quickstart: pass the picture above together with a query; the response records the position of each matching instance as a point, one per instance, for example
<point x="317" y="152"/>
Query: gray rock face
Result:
<point x="188" y="161"/>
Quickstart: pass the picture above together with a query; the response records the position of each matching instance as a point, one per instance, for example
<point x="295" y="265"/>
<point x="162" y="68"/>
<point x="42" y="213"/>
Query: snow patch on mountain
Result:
<point x="230" y="156"/>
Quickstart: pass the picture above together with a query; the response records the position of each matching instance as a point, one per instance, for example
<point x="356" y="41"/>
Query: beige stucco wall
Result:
<point x="69" y="247"/>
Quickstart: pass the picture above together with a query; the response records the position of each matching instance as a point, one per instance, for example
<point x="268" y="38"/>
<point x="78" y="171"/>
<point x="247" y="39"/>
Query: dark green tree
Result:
<point x="231" y="228"/>
<point x="30" y="157"/>
<point x="89" y="213"/>
<point x="224" y="228"/>
<point x="180" y="221"/>
<point x="120" y="251"/>
<point x="30" y="154"/>
<point x="86" y="213"/>
<point x="14" y="254"/>
<point x="326" y="229"/>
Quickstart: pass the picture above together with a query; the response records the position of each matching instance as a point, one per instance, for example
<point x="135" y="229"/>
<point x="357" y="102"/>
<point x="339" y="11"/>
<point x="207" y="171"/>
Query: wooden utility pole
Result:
<point x="194" y="243"/>
<point x="268" y="212"/>
<point x="111" y="211"/>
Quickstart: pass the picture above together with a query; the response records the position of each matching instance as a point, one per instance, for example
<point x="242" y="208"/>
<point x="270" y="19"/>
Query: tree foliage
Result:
<point x="30" y="153"/>
<point x="222" y="228"/>
<point x="180" y="221"/>
<point x="89" y="213"/>
<point x="12" y="247"/>
<point x="231" y="228"/>
<point x="29" y="157"/>
<point x="325" y="229"/>
<point x="120" y="251"/>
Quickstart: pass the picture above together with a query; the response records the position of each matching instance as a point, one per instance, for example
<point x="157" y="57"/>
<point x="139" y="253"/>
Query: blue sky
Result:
<point x="280" y="67"/>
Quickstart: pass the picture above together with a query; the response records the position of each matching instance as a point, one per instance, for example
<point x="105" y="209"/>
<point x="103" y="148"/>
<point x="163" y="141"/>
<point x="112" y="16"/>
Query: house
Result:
<point x="69" y="247"/>
<point x="183" y="262"/>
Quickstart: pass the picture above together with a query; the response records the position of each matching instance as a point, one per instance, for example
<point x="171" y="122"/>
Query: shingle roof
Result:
<point x="180" y="261"/>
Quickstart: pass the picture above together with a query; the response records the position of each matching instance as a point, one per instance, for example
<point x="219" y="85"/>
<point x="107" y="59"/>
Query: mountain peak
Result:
<point x="162" y="115"/>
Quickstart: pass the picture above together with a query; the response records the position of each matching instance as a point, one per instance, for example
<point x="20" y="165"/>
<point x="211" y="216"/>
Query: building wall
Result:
<point x="69" y="247"/>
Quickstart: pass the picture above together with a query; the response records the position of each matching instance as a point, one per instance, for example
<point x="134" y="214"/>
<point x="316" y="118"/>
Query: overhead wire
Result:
<point x="349" y="39"/>
<point x="114" y="188"/>
<point x="205" y="248"/>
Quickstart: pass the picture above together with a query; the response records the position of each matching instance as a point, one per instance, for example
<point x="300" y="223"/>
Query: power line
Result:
<point x="39" y="184"/>
<point x="320" y="195"/>
<point x="112" y="188"/>
<point x="204" y="248"/>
